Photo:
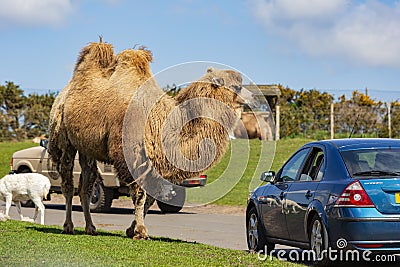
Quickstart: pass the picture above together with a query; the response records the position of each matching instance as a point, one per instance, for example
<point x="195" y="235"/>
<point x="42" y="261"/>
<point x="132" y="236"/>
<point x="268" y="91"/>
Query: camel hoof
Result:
<point x="68" y="229"/>
<point x="139" y="237"/>
<point x="65" y="232"/>
<point x="140" y="233"/>
<point x="130" y="232"/>
<point x="91" y="232"/>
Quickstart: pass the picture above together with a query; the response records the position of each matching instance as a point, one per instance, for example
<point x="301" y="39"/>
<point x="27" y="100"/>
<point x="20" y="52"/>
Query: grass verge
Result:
<point x="27" y="244"/>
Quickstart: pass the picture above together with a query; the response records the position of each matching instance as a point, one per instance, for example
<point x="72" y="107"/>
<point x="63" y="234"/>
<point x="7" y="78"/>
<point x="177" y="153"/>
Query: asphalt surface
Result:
<point x="221" y="230"/>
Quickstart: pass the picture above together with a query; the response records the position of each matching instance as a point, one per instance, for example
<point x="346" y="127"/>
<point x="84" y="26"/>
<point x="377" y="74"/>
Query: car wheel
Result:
<point x="256" y="238"/>
<point x="175" y="204"/>
<point x="102" y="198"/>
<point x="318" y="238"/>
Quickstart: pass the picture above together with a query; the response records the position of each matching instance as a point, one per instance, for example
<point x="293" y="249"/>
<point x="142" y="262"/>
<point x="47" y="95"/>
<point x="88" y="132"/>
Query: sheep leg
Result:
<point x="39" y="206"/>
<point x="36" y="213"/>
<point x="67" y="185"/>
<point x="24" y="219"/>
<point x="88" y="176"/>
<point x="8" y="204"/>
<point x="18" y="205"/>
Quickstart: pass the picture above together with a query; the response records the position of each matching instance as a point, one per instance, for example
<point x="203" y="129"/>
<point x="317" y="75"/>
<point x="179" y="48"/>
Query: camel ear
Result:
<point x="210" y="69"/>
<point x="217" y="82"/>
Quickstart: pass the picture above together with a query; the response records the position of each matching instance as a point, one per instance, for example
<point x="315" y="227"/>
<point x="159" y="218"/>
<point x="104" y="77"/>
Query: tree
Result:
<point x="305" y="111"/>
<point x="359" y="115"/>
<point x="315" y="109"/>
<point x="395" y="120"/>
<point x="36" y="113"/>
<point x="172" y="90"/>
<point x="11" y="107"/>
<point x="289" y="112"/>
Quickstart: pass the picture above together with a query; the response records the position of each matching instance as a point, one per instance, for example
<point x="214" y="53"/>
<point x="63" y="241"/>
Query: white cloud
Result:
<point x="363" y="32"/>
<point x="34" y="12"/>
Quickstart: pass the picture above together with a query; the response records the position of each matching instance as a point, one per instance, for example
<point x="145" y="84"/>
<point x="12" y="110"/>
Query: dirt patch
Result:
<point x="127" y="203"/>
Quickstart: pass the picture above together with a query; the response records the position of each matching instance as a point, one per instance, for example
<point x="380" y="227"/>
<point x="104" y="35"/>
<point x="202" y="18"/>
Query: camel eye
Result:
<point x="237" y="88"/>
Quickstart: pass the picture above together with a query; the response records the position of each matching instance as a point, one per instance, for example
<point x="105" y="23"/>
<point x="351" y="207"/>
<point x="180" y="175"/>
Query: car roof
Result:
<point x="359" y="143"/>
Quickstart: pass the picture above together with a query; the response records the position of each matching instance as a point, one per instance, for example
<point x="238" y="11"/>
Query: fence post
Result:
<point x="277" y="123"/>
<point x="389" y="120"/>
<point x="332" y="121"/>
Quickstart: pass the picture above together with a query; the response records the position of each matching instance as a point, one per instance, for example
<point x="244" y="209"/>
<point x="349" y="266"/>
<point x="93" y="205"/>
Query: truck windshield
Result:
<point x="372" y="162"/>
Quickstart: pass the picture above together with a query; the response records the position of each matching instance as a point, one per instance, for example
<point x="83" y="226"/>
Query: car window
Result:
<point x="292" y="167"/>
<point x="372" y="162"/>
<point x="312" y="170"/>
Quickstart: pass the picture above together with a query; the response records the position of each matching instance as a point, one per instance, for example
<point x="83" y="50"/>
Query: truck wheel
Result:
<point x="28" y="203"/>
<point x="102" y="198"/>
<point x="175" y="204"/>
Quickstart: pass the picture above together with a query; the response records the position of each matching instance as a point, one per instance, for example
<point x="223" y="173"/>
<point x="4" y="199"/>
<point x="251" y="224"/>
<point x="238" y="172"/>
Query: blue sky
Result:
<point x="335" y="45"/>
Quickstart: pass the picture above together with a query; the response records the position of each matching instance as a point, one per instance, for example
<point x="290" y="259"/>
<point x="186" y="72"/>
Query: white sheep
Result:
<point x="22" y="187"/>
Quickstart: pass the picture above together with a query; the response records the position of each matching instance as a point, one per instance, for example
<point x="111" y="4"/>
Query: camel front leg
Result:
<point x="88" y="176"/>
<point x="67" y="186"/>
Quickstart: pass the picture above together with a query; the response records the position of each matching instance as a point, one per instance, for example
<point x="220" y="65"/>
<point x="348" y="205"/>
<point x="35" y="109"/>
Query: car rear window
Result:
<point x="366" y="163"/>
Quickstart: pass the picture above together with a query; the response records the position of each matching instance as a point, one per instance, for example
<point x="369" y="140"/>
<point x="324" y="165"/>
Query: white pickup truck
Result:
<point x="36" y="159"/>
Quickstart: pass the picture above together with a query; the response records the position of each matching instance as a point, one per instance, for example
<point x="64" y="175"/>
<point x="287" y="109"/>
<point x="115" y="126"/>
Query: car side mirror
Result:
<point x="44" y="143"/>
<point x="267" y="176"/>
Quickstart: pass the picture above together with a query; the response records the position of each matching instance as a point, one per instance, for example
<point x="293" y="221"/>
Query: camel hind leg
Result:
<point x="142" y="203"/>
<point x="66" y="167"/>
<point x="132" y="231"/>
<point x="88" y="176"/>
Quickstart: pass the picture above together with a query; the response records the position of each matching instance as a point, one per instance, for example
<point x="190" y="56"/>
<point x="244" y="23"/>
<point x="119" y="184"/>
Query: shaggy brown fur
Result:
<point x="160" y="135"/>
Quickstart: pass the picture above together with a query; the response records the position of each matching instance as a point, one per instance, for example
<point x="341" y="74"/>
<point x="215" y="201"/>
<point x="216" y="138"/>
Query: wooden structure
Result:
<point x="263" y="127"/>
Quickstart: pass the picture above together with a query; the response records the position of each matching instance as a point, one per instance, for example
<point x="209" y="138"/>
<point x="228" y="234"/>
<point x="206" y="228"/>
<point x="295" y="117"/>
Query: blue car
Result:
<point x="332" y="194"/>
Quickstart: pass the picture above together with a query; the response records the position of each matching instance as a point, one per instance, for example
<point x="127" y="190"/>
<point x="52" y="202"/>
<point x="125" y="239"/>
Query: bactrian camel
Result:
<point x="113" y="111"/>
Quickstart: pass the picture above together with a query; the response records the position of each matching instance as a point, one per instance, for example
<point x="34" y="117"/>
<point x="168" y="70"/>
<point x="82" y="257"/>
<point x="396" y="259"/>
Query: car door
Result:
<point x="301" y="194"/>
<point x="273" y="215"/>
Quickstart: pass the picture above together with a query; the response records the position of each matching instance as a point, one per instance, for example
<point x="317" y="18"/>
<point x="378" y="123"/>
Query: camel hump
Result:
<point x="99" y="55"/>
<point x="139" y="59"/>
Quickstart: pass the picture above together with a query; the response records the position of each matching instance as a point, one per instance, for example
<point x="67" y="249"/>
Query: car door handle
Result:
<point x="309" y="194"/>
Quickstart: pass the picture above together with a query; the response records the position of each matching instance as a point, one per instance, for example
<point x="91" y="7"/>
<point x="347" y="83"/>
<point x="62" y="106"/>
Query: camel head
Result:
<point x="222" y="85"/>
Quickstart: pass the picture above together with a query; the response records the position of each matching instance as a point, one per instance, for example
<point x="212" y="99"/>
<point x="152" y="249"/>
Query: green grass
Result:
<point x="26" y="244"/>
<point x="6" y="151"/>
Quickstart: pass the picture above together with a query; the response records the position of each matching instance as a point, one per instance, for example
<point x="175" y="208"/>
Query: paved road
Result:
<point x="222" y="230"/>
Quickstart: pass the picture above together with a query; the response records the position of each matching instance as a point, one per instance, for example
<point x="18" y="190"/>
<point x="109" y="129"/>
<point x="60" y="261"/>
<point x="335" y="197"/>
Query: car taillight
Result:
<point x="378" y="245"/>
<point x="354" y="196"/>
<point x="202" y="176"/>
